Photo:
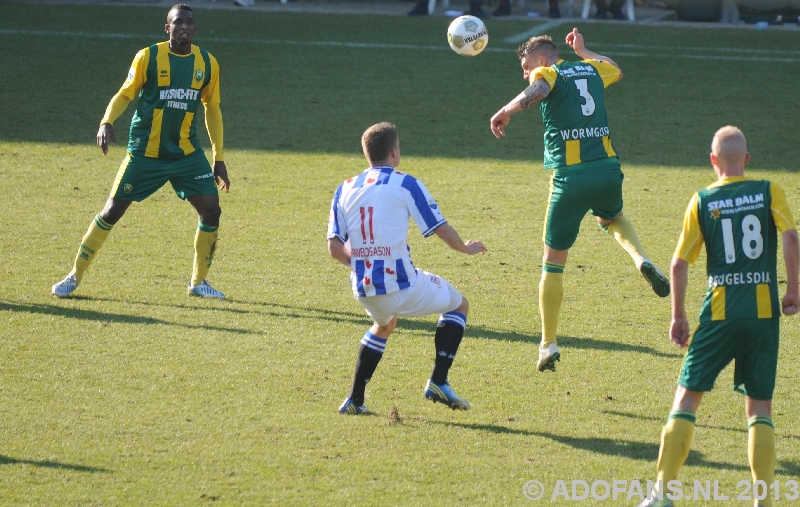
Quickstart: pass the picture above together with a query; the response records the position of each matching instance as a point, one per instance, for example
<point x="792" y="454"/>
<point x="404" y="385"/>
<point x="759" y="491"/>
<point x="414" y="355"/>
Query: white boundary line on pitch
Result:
<point x="536" y="30"/>
<point x="657" y="51"/>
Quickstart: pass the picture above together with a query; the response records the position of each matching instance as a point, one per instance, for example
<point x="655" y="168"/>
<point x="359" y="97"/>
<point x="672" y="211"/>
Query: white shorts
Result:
<point x="430" y="294"/>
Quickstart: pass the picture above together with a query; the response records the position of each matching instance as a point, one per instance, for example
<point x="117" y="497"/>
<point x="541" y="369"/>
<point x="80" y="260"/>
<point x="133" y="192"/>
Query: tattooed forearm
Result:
<point x="534" y="94"/>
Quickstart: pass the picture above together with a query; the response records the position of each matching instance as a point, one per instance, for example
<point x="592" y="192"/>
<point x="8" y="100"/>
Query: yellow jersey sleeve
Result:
<point x="137" y="76"/>
<point x="211" y="94"/>
<point x="781" y="212"/>
<point x="691" y="240"/>
<point x="608" y="73"/>
<point x="549" y="74"/>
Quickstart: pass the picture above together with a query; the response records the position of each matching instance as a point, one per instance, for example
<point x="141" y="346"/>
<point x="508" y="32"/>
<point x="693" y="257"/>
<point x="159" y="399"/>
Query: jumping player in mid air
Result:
<point x="367" y="232"/>
<point x="170" y="80"/>
<point x="586" y="172"/>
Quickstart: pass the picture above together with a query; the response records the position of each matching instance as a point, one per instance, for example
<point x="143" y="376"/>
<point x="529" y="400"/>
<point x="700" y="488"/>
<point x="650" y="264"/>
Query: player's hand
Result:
<point x="791" y="304"/>
<point x="474" y="247"/>
<point x="575" y="40"/>
<point x="105" y="136"/>
<point x="499" y="122"/>
<point x="221" y="176"/>
<point x="679" y="331"/>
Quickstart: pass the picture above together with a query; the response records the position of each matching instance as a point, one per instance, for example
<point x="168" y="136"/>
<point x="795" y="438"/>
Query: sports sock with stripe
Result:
<point x="761" y="452"/>
<point x="449" y="332"/>
<point x="369" y="355"/>
<point x="205" y="243"/>
<point x="676" y="438"/>
<point x="94" y="238"/>
<point x="551" y="292"/>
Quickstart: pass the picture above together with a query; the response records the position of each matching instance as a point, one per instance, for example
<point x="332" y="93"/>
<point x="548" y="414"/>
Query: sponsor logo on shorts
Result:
<point x="204" y="176"/>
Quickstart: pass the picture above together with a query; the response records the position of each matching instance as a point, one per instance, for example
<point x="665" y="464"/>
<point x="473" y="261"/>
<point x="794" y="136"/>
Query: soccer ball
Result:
<point x="467" y="35"/>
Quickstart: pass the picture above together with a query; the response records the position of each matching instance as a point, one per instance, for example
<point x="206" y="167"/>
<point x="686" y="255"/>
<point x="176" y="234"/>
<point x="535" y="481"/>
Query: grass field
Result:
<point x="131" y="393"/>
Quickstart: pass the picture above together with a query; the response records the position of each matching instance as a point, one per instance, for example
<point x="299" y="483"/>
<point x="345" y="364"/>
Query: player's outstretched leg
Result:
<point x="623" y="231"/>
<point x="551" y="293"/>
<point x="449" y="332"/>
<point x="90" y="244"/>
<point x="369" y="355"/>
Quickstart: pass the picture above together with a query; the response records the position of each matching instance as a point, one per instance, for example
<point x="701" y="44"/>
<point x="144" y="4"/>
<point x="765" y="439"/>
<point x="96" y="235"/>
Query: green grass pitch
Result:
<point x="131" y="393"/>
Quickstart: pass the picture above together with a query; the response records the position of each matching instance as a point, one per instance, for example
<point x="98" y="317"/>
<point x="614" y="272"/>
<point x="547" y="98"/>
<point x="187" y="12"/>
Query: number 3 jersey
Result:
<point x="370" y="213"/>
<point x="574" y="113"/>
<point x="737" y="219"/>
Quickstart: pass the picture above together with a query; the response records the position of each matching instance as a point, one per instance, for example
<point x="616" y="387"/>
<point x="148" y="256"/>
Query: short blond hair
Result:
<point x="378" y="141"/>
<point x="729" y="146"/>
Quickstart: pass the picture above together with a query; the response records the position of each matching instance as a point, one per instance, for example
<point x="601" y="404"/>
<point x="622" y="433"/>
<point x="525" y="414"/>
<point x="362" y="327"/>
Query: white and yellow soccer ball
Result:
<point x="467" y="35"/>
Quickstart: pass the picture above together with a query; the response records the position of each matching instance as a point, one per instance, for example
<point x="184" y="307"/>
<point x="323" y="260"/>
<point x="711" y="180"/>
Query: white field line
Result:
<point x="536" y="30"/>
<point x="638" y="50"/>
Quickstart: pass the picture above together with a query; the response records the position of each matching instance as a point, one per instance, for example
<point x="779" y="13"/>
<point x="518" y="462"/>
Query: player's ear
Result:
<point x="746" y="158"/>
<point x="713" y="159"/>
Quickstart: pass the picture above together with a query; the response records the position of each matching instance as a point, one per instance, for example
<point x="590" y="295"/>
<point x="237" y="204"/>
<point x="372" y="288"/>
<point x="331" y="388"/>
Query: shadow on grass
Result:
<point x="594" y="344"/>
<point x="109" y="317"/>
<point x="612" y="447"/>
<point x="5" y="460"/>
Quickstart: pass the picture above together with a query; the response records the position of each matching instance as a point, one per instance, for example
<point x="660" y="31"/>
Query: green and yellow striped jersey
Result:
<point x="738" y="219"/>
<point x="574" y="113"/>
<point x="170" y="89"/>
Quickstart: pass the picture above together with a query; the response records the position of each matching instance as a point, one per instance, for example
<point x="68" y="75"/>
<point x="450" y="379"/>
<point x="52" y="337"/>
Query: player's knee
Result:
<point x="463" y="308"/>
<point x="114" y="210"/>
<point x="388" y="328"/>
<point x="211" y="215"/>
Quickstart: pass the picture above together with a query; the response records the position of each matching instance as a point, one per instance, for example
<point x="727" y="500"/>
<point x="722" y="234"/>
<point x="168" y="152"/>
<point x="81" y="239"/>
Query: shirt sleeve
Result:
<point x="549" y="74"/>
<point x="214" y="127"/>
<point x="422" y="207"/>
<point x="608" y="73"/>
<point x="337" y="227"/>
<point x="137" y="76"/>
<point x="211" y="93"/>
<point x="691" y="240"/>
<point x="781" y="212"/>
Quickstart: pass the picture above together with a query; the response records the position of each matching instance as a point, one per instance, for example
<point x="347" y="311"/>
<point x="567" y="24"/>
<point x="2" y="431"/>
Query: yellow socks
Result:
<point x="626" y="236"/>
<point x="551" y="292"/>
<point x="676" y="438"/>
<point x="90" y="244"/>
<point x="761" y="452"/>
<point x="205" y="242"/>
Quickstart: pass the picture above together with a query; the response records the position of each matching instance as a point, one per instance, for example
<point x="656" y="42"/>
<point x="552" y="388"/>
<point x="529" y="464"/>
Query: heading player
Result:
<point x="170" y="80"/>
<point x="737" y="218"/>
<point x="586" y="171"/>
<point x="367" y="232"/>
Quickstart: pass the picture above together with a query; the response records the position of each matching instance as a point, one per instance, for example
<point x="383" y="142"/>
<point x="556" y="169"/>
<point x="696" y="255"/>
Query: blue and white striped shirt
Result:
<point x="370" y="214"/>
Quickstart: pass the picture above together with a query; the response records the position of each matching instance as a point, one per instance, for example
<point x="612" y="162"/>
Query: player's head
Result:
<point x="729" y="151"/>
<point x="381" y="144"/>
<point x="180" y="24"/>
<point x="539" y="51"/>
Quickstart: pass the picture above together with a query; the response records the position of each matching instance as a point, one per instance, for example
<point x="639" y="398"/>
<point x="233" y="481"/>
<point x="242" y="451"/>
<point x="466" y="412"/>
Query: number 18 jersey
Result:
<point x="370" y="213"/>
<point x="738" y="219"/>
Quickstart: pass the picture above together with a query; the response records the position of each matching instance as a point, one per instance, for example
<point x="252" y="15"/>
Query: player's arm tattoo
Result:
<point x="535" y="93"/>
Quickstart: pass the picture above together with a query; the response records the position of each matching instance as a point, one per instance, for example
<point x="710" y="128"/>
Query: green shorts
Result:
<point x="140" y="177"/>
<point x="574" y="190"/>
<point x="752" y="343"/>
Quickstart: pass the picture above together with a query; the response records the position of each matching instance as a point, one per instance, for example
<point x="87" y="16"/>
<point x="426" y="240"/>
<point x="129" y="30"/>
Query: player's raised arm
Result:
<point x="529" y="97"/>
<point x="450" y="236"/>
<point x="575" y="41"/>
